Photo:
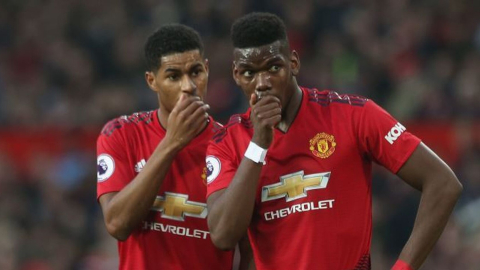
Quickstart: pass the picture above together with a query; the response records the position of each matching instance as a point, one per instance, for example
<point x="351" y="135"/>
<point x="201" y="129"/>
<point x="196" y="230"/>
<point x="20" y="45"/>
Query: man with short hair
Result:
<point x="295" y="169"/>
<point x="151" y="170"/>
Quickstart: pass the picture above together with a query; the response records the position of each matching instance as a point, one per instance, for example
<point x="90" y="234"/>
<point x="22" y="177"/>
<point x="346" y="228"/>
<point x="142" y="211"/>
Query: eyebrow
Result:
<point x="173" y="69"/>
<point x="243" y="65"/>
<point x="196" y="65"/>
<point x="274" y="59"/>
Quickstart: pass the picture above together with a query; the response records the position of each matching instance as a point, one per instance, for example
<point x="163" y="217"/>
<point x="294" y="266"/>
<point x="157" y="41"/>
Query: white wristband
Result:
<point x="256" y="153"/>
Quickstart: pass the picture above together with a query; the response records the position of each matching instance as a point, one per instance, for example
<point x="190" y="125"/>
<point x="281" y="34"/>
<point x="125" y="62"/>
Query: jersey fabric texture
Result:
<point x="175" y="233"/>
<point x="313" y="203"/>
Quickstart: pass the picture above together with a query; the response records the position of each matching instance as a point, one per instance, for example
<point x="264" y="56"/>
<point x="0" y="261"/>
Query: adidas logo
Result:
<point x="139" y="166"/>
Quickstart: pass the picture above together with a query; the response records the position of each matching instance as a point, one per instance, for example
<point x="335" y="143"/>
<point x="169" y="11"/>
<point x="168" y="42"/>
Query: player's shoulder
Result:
<point x="326" y="98"/>
<point x="236" y="122"/>
<point x="127" y="123"/>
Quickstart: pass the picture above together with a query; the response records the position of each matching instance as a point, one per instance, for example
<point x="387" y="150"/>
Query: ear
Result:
<point x="294" y="63"/>
<point x="207" y="69"/>
<point x="151" y="81"/>
<point x="235" y="73"/>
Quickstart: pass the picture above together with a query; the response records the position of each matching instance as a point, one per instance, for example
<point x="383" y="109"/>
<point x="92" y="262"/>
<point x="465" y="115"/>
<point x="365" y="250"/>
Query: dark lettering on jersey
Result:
<point x="234" y="119"/>
<point x="326" y="98"/>
<point x="119" y="122"/>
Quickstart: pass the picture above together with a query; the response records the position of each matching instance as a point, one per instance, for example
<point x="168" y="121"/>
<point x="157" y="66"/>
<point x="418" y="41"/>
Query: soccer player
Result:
<point x="295" y="169"/>
<point x="151" y="169"/>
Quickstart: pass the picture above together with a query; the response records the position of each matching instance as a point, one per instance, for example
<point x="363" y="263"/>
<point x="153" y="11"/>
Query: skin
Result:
<point x="270" y="70"/>
<point x="231" y="209"/>
<point x="180" y="84"/>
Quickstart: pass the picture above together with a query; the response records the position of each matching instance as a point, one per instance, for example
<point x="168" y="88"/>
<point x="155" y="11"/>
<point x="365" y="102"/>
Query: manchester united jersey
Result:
<point x="313" y="203"/>
<point x="175" y="233"/>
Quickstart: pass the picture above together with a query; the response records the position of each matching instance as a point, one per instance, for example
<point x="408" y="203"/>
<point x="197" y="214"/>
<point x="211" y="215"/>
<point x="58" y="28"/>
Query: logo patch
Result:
<point x="105" y="167"/>
<point x="139" y="166"/>
<point x="394" y="133"/>
<point x="177" y="206"/>
<point x="213" y="168"/>
<point x="295" y="186"/>
<point x="323" y="145"/>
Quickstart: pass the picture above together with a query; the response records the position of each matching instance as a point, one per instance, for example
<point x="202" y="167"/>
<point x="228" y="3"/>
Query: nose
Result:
<point x="188" y="86"/>
<point x="263" y="82"/>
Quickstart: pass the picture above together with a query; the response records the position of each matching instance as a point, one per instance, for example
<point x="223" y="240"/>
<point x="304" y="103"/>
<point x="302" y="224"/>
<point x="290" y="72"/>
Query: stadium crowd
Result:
<point x="68" y="66"/>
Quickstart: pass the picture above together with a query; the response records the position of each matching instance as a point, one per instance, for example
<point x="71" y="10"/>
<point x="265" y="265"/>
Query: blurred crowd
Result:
<point x="69" y="66"/>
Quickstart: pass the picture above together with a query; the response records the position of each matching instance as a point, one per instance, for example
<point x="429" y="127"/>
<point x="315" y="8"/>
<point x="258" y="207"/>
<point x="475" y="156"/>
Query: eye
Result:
<point x="247" y="73"/>
<point x="196" y="72"/>
<point x="172" y="77"/>
<point x="274" y="68"/>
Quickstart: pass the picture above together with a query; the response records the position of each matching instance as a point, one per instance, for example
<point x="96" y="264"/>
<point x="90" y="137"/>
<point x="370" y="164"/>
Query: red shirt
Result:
<point x="175" y="233"/>
<point x="313" y="203"/>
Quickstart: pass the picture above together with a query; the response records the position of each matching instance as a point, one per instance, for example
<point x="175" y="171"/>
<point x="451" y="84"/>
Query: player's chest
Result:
<point x="186" y="173"/>
<point x="309" y="160"/>
<point x="181" y="197"/>
<point x="314" y="148"/>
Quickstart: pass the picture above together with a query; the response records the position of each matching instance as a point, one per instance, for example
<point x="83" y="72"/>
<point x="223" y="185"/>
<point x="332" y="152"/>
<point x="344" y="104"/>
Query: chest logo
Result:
<point x="323" y="145"/>
<point x="177" y="206"/>
<point x="295" y="186"/>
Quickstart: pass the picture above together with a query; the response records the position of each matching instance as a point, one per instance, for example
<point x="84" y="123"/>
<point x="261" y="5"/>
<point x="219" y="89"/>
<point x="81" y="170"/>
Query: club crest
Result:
<point x="323" y="145"/>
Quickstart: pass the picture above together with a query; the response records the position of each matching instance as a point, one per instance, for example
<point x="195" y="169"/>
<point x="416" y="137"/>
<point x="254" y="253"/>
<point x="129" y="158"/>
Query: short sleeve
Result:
<point x="384" y="139"/>
<point x="221" y="166"/>
<point x="113" y="172"/>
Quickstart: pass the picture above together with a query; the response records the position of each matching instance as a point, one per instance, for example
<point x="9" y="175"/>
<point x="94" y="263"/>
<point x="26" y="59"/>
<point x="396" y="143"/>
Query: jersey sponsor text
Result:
<point x="298" y="208"/>
<point x="177" y="230"/>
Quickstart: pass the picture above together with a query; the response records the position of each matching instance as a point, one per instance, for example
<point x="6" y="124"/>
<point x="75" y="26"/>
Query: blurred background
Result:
<point x="69" y="66"/>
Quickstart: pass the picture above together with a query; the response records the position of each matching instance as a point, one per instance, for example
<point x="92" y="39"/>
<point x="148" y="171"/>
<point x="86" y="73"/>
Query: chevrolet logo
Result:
<point x="176" y="206"/>
<point x="294" y="186"/>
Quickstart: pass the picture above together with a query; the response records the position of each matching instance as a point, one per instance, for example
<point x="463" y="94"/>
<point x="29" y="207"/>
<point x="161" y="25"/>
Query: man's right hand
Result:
<point x="266" y="113"/>
<point x="187" y="119"/>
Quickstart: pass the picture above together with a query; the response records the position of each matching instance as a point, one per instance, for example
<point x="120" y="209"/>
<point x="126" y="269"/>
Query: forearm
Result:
<point x="437" y="202"/>
<point x="231" y="213"/>
<point x="131" y="205"/>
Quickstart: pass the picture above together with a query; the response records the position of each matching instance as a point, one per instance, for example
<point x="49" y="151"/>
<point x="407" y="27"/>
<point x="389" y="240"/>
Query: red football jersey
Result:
<point x="313" y="202"/>
<point x="175" y="234"/>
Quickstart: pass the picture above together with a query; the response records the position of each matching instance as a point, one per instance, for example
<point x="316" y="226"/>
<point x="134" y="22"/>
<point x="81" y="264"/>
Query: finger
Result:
<point x="192" y="107"/>
<point x="184" y="101"/>
<point x="199" y="118"/>
<point x="190" y="117"/>
<point x="253" y="100"/>
<point x="260" y="110"/>
<point x="179" y="102"/>
<point x="272" y="121"/>
<point x="266" y="107"/>
<point x="269" y="113"/>
<point x="268" y="99"/>
<point x="201" y="113"/>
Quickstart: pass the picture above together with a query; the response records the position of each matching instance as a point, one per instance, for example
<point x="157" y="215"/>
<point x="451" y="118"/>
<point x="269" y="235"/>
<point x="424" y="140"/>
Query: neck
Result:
<point x="291" y="109"/>
<point x="163" y="118"/>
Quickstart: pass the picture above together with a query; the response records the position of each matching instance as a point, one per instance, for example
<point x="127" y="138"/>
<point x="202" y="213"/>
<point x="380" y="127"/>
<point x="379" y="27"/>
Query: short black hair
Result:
<point x="168" y="39"/>
<point x="258" y="29"/>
